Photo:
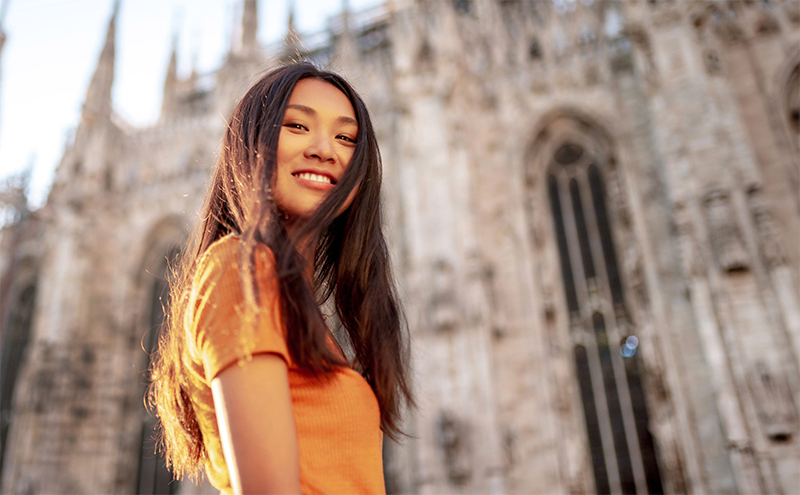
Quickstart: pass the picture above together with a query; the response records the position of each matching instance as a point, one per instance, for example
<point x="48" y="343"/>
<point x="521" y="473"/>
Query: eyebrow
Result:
<point x="310" y="111"/>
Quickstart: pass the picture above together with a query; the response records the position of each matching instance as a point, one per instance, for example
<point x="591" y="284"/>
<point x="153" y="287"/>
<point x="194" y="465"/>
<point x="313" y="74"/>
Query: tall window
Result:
<point x="154" y="477"/>
<point x="15" y="342"/>
<point x="604" y="342"/>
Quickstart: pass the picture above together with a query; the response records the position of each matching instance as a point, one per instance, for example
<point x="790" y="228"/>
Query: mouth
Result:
<point x="317" y="178"/>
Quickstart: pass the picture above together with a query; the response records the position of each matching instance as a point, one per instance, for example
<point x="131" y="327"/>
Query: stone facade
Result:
<point x="594" y="214"/>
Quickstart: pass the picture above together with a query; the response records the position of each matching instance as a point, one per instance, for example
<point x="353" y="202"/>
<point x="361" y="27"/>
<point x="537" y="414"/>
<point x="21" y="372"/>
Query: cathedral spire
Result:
<point x="98" y="97"/>
<point x="3" y="12"/>
<point x="171" y="78"/>
<point x="250" y="26"/>
<point x="347" y="46"/>
<point x="292" y="40"/>
<point x="172" y="67"/>
<point x="290" y="22"/>
<point x="193" y="76"/>
<point x="346" y="15"/>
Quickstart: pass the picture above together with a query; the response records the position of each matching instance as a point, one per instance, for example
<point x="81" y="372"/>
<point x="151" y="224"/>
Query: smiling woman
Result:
<point x="316" y="144"/>
<point x="292" y="220"/>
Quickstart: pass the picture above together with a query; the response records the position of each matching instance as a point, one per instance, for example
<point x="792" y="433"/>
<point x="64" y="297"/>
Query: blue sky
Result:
<point x="52" y="48"/>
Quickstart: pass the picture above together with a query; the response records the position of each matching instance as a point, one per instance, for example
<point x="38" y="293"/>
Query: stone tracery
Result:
<point x="573" y="156"/>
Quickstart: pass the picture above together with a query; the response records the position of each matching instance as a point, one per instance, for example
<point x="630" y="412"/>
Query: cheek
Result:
<point x="347" y="156"/>
<point x="284" y="157"/>
<point x="282" y="151"/>
<point x="281" y="175"/>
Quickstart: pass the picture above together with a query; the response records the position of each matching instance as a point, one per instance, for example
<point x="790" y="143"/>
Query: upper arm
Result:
<point x="247" y="370"/>
<point x="256" y="425"/>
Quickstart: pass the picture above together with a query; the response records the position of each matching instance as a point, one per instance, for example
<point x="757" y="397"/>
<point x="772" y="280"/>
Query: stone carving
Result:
<point x="729" y="32"/>
<point x="665" y="14"/>
<point x="425" y="55"/>
<point x="692" y="259"/>
<point x="509" y="446"/>
<point x="66" y="392"/>
<point x="453" y="436"/>
<point x="643" y="53"/>
<point x="618" y="197"/>
<point x="538" y="233"/>
<point x="544" y="280"/>
<point x="769" y="236"/>
<point x="621" y="60"/>
<point x="774" y="402"/>
<point x="767" y="24"/>
<point x="478" y="292"/>
<point x="592" y="75"/>
<point x="535" y="49"/>
<point x="634" y="272"/>
<point x="720" y="18"/>
<point x="712" y="63"/>
<point x="792" y="10"/>
<point x="443" y="309"/>
<point x="548" y="302"/>
<point x="726" y="238"/>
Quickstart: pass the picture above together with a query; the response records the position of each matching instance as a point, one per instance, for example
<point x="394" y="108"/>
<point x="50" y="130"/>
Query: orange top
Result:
<point x="337" y="419"/>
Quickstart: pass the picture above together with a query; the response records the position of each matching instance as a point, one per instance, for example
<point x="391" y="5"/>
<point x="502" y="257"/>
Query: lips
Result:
<point x="316" y="176"/>
<point x="316" y="180"/>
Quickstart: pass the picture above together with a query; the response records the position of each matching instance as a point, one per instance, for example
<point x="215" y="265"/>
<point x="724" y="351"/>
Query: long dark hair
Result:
<point x="351" y="265"/>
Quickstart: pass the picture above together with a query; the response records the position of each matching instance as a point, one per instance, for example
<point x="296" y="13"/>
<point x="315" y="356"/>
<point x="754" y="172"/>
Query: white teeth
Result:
<point x="314" y="177"/>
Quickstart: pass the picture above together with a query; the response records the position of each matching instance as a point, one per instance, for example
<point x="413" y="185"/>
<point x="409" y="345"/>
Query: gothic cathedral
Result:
<point x="594" y="210"/>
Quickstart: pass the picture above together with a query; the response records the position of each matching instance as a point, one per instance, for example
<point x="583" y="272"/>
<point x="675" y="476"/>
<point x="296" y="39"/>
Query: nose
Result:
<point x="321" y="149"/>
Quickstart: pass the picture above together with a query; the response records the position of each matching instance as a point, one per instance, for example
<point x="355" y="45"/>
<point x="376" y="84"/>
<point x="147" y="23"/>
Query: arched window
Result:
<point x="15" y="342"/>
<point x="604" y="342"/>
<point x="154" y="478"/>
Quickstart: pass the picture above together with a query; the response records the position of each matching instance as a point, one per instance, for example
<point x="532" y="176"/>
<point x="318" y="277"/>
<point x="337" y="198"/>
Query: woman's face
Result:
<point x="316" y="142"/>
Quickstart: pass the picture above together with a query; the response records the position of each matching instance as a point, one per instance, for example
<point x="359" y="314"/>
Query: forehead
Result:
<point x="323" y="97"/>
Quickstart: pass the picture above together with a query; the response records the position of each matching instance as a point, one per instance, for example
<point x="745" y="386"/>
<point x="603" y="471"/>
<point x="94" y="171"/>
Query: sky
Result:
<point x="52" y="47"/>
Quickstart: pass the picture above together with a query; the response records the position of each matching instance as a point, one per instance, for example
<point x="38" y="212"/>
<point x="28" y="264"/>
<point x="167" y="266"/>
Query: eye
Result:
<point x="345" y="138"/>
<point x="295" y="125"/>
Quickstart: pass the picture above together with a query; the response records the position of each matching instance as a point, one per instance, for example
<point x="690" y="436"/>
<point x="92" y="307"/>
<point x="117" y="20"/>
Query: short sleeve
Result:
<point x="218" y="326"/>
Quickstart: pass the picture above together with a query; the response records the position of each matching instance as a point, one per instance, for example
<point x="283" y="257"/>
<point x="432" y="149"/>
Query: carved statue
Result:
<point x="769" y="236"/>
<point x="443" y="309"/>
<point x="726" y="238"/>
<point x="692" y="259"/>
<point x="453" y="435"/>
<point x="774" y="402"/>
